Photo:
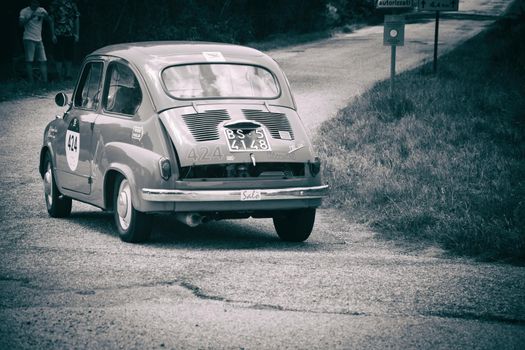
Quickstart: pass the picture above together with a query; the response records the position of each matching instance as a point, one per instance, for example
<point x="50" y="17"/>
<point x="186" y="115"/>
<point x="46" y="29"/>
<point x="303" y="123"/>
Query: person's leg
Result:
<point x="29" y="48"/>
<point x="59" y="57"/>
<point x="29" y="71"/>
<point x="59" y="70"/>
<point x="43" y="70"/>
<point x="69" y="47"/>
<point x="41" y="57"/>
<point x="69" y="74"/>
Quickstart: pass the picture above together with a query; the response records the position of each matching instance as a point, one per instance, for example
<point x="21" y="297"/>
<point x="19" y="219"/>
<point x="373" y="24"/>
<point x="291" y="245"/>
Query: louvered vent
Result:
<point x="204" y="126"/>
<point x="275" y="122"/>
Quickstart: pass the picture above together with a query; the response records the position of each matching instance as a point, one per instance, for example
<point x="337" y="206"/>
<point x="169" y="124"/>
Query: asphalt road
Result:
<point x="71" y="283"/>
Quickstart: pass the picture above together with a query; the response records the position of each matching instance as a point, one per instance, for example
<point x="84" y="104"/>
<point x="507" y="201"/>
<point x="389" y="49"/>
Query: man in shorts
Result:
<point x="31" y="19"/>
<point x="65" y="32"/>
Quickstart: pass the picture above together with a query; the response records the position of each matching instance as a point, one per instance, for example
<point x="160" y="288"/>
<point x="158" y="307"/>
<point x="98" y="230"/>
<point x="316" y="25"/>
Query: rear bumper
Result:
<point x="262" y="195"/>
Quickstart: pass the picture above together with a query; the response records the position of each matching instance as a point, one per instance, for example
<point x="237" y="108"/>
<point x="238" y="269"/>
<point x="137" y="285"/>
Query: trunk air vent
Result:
<point x="277" y="123"/>
<point x="204" y="126"/>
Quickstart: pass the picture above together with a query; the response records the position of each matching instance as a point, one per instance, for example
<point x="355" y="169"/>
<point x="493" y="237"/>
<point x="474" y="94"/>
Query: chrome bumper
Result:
<point x="160" y="195"/>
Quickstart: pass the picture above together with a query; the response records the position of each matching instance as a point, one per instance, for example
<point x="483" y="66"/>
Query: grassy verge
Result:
<point x="15" y="88"/>
<point x="443" y="162"/>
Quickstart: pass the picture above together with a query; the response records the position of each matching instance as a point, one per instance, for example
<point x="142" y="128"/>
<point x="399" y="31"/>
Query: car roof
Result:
<point x="174" y="50"/>
<point x="150" y="58"/>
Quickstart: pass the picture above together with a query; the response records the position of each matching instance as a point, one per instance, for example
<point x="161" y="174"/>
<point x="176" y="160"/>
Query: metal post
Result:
<point x="392" y="69"/>
<point x="436" y="35"/>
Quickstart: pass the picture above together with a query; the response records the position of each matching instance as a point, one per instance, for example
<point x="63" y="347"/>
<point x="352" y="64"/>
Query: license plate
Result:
<point x="247" y="140"/>
<point x="250" y="195"/>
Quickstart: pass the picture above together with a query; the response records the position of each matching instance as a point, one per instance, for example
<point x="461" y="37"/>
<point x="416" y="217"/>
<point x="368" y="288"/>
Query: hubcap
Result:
<point x="124" y="205"/>
<point x="48" y="186"/>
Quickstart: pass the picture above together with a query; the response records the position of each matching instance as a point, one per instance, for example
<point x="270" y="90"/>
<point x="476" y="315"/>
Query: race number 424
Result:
<point x="72" y="142"/>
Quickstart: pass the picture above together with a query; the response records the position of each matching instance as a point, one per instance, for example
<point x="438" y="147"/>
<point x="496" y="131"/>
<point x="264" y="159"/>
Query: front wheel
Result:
<point x="58" y="206"/>
<point x="295" y="225"/>
<point x="133" y="226"/>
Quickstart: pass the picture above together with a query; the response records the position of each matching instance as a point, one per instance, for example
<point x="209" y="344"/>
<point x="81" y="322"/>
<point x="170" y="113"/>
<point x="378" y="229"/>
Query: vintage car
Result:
<point x="203" y="131"/>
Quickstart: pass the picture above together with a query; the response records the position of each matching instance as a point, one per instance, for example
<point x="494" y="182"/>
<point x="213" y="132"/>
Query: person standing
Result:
<point x="65" y="27"/>
<point x="31" y="19"/>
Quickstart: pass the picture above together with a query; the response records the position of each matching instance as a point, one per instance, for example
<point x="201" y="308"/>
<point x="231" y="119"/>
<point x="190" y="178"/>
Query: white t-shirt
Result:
<point x="33" y="28"/>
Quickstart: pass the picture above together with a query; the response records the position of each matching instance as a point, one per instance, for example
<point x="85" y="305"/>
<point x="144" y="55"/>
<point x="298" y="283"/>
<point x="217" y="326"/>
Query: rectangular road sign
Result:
<point x="387" y="4"/>
<point x="438" y="5"/>
<point x="394" y="30"/>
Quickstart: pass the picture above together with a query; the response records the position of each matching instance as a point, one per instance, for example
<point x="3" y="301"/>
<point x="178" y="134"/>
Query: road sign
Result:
<point x="393" y="36"/>
<point x="438" y="5"/>
<point x="394" y="31"/>
<point x="388" y="4"/>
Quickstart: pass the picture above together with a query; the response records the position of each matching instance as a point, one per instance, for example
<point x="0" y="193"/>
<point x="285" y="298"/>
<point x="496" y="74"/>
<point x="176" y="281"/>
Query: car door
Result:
<point x="74" y="152"/>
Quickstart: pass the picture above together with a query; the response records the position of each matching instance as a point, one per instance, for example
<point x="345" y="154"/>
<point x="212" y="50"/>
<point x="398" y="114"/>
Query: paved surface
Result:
<point x="71" y="283"/>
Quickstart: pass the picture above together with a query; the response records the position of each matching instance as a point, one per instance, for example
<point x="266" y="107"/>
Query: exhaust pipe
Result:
<point x="190" y="219"/>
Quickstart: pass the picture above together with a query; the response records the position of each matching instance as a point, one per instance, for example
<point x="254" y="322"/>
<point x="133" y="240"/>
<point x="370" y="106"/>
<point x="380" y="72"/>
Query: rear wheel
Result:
<point x="133" y="226"/>
<point x="58" y="206"/>
<point x="295" y="225"/>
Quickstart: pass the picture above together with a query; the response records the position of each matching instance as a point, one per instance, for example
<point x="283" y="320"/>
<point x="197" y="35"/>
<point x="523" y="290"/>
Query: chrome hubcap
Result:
<point x="124" y="204"/>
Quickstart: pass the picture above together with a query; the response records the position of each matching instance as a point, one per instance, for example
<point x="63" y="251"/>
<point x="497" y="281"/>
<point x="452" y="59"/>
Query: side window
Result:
<point x="122" y="92"/>
<point x="88" y="93"/>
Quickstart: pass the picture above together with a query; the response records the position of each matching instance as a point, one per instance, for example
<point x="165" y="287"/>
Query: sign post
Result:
<point x="394" y="32"/>
<point x="436" y="36"/>
<point x="437" y="5"/>
<point x="393" y="36"/>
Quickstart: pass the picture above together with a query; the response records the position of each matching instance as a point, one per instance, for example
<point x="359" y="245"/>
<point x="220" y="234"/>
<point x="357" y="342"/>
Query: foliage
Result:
<point x="105" y="22"/>
<point x="444" y="160"/>
<point x="233" y="21"/>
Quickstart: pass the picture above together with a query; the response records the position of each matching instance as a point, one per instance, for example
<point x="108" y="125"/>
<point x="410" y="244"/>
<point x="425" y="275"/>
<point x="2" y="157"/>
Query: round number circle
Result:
<point x="72" y="144"/>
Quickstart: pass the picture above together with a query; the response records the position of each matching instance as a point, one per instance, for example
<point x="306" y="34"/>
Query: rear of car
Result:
<point x="234" y="145"/>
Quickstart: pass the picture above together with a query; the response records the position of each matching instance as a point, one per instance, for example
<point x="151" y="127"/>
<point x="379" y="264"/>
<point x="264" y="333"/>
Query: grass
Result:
<point x="443" y="162"/>
<point x="16" y="89"/>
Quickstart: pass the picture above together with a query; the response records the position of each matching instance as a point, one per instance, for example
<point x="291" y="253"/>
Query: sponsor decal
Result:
<point x="137" y="133"/>
<point x="280" y="156"/>
<point x="251" y="195"/>
<point x="72" y="144"/>
<point x="52" y="133"/>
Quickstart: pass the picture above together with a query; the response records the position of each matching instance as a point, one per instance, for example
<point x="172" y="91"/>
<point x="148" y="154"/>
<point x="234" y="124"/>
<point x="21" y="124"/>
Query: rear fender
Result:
<point x="138" y="165"/>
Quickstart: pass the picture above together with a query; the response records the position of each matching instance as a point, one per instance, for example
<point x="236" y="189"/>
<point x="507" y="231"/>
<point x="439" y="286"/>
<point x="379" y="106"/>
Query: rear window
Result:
<point x="219" y="80"/>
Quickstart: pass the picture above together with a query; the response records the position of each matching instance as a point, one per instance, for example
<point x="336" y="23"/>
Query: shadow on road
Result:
<point x="426" y="17"/>
<point x="169" y="233"/>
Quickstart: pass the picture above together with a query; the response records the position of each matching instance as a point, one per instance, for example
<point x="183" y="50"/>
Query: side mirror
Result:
<point x="61" y="99"/>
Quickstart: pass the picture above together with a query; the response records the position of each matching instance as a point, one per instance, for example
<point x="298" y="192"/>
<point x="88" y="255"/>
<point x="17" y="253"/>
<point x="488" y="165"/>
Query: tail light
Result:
<point x="315" y="166"/>
<point x="165" y="168"/>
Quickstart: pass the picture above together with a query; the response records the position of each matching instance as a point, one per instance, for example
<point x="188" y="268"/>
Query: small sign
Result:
<point x="285" y="135"/>
<point x="213" y="56"/>
<point x="438" y="5"/>
<point x="394" y="31"/>
<point x="388" y="4"/>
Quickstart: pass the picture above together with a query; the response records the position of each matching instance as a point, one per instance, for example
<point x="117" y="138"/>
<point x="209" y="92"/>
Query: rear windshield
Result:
<point x="219" y="80"/>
